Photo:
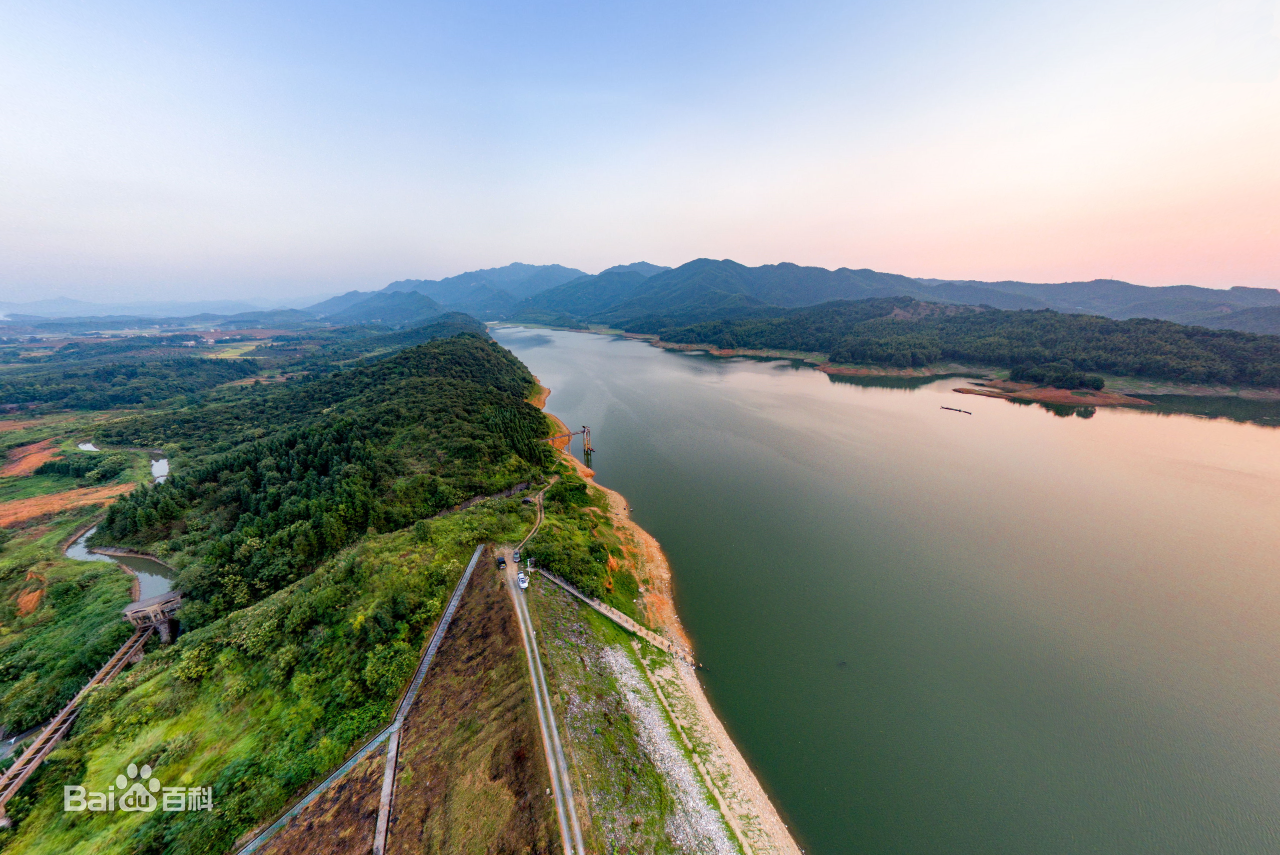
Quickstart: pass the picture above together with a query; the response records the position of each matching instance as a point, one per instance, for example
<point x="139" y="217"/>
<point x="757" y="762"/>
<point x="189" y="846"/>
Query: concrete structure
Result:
<point x="157" y="612"/>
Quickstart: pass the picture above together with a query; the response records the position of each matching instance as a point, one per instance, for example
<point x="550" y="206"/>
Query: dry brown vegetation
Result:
<point x="28" y="600"/>
<point x="27" y="458"/>
<point x="21" y="510"/>
<point x="19" y="424"/>
<point x="342" y="820"/>
<point x="472" y="776"/>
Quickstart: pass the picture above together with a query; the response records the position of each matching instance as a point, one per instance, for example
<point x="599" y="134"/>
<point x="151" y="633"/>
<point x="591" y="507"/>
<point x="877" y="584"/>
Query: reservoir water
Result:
<point x="154" y="578"/>
<point x="932" y="632"/>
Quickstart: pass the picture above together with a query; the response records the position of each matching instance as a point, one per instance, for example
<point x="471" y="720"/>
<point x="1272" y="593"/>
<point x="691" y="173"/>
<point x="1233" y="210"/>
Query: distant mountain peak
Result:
<point x="644" y="268"/>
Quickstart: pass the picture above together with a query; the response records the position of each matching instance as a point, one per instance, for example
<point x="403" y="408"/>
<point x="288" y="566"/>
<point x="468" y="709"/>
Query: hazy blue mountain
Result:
<point x="644" y="268"/>
<point x="583" y="297"/>
<point x="286" y="319"/>
<point x="525" y="280"/>
<point x="976" y="295"/>
<point x="395" y="309"/>
<point x="491" y="292"/>
<point x="1116" y="299"/>
<point x="339" y="303"/>
<point x="707" y="289"/>
<point x="689" y="301"/>
<point x="271" y="319"/>
<point x="1261" y="319"/>
<point x="63" y="307"/>
<point x="700" y="289"/>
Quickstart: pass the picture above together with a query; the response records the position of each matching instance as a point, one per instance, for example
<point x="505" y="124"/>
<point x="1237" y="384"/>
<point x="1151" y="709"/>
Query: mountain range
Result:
<point x="707" y="289"/>
<point x="643" y="295"/>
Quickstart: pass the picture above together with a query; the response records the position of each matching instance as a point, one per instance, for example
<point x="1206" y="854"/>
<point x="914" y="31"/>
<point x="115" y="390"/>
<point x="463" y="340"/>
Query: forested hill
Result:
<point x="709" y="289"/>
<point x="903" y="332"/>
<point x="276" y="479"/>
<point x="168" y="370"/>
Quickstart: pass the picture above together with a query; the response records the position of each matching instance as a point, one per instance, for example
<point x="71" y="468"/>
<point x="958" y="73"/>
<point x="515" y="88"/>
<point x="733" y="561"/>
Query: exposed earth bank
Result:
<point x="1012" y="391"/>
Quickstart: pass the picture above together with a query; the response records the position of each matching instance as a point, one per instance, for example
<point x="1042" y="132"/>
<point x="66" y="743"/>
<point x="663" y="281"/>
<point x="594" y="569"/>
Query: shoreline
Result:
<point x="660" y="609"/>
<point x="1034" y="393"/>
<point x="1121" y="386"/>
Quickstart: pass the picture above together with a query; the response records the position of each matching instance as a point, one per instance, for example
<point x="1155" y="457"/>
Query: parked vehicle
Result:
<point x="523" y="579"/>
<point x="502" y="561"/>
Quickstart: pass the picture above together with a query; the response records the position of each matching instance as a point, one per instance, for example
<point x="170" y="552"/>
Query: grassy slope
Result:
<point x="47" y="655"/>
<point x="625" y="803"/>
<point x="578" y="542"/>
<point x="260" y="703"/>
<point x="472" y="776"/>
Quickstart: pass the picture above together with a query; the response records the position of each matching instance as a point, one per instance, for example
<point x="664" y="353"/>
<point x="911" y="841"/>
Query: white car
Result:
<point x="522" y="579"/>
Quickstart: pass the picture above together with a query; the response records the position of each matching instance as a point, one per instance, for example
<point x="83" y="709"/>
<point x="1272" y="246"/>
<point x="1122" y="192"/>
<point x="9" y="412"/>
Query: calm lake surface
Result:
<point x="939" y="633"/>
<point x="154" y="578"/>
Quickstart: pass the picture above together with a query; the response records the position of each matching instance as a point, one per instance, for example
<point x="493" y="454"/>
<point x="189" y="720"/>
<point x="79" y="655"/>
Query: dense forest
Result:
<point x="281" y="478"/>
<point x="330" y="349"/>
<point x="150" y="370"/>
<point x="1044" y="344"/>
<point x="101" y="387"/>
<point x="88" y="468"/>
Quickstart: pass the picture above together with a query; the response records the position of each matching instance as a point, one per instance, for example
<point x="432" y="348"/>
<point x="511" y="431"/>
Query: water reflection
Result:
<point x="154" y="578"/>
<point x="159" y="467"/>
<point x="1057" y="633"/>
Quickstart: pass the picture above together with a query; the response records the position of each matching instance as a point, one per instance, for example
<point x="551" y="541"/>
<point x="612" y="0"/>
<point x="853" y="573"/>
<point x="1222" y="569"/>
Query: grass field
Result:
<point x="28" y="486"/>
<point x="633" y="795"/>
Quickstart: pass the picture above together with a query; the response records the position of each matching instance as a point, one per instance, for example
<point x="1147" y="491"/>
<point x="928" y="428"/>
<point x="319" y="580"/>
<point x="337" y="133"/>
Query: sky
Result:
<point x="272" y="150"/>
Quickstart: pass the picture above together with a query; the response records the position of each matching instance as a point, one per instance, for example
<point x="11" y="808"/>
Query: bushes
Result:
<point x="573" y="541"/>
<point x="271" y="697"/>
<point x="46" y="661"/>
<point x="101" y="387"/>
<point x="559" y="551"/>
<point x="902" y="332"/>
<point x="89" y="468"/>
<point x="1061" y="374"/>
<point x="371" y="450"/>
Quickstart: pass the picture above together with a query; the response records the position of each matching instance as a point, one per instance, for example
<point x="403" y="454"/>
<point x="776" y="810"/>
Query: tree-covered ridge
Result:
<point x="131" y="383"/>
<point x="172" y="346"/>
<point x="903" y="332"/>
<point x="318" y="464"/>
<point x="327" y="349"/>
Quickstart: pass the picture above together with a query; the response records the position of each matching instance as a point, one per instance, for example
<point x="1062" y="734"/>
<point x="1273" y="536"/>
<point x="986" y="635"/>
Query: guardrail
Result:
<point x="384" y="734"/>
<point x="625" y="622"/>
<point x="26" y="765"/>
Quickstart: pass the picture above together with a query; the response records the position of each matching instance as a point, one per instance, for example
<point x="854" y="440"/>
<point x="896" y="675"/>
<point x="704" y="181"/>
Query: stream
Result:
<point x="154" y="578"/>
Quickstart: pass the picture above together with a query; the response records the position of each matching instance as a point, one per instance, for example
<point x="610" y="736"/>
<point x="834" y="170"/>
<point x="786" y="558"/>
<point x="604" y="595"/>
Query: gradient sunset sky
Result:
<point x="265" y="149"/>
